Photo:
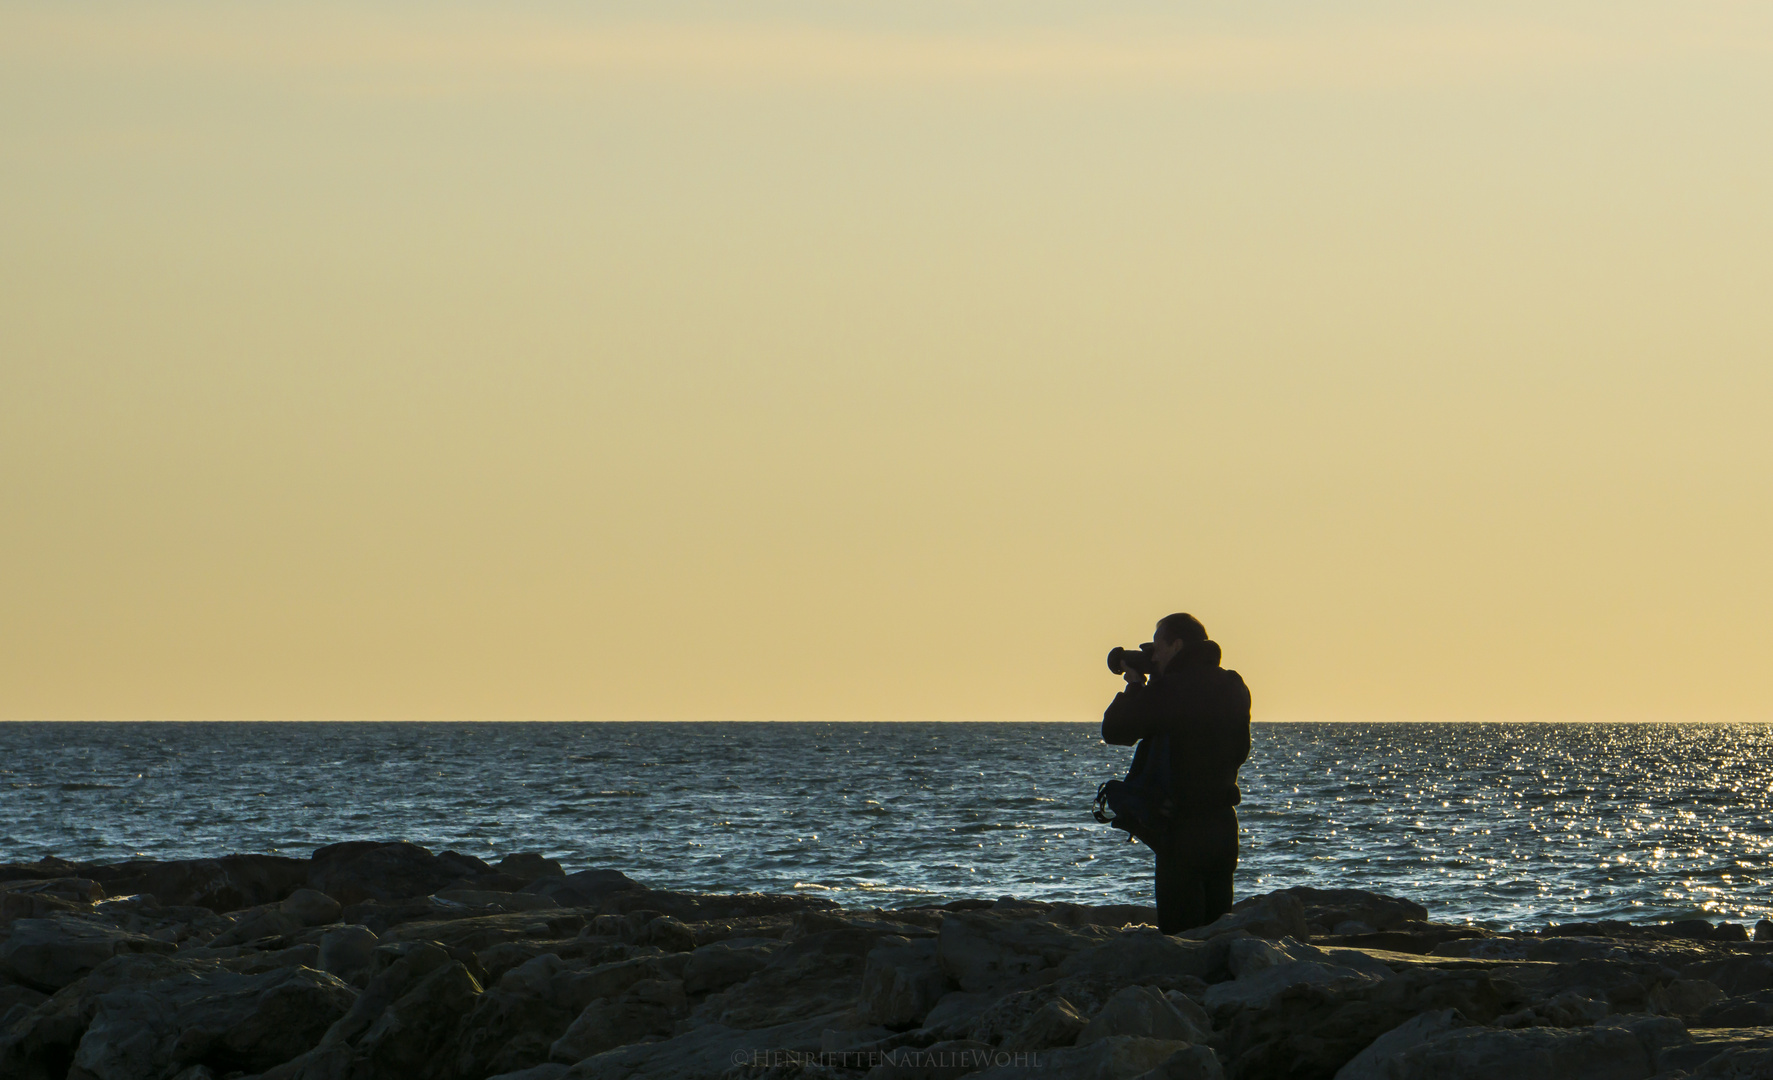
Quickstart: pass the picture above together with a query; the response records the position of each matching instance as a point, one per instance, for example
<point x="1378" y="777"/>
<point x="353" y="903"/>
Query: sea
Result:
<point x="1502" y="825"/>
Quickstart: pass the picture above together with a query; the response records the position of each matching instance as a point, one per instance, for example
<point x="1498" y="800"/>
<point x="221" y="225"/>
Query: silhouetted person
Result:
<point x="1205" y="711"/>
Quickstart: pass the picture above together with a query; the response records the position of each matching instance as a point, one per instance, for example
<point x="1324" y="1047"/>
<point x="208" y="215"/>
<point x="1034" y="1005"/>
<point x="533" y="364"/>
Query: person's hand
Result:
<point x="1133" y="678"/>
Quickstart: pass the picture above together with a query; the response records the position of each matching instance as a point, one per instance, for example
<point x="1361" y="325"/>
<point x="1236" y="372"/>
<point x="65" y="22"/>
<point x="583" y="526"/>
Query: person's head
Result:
<point x="1174" y="634"/>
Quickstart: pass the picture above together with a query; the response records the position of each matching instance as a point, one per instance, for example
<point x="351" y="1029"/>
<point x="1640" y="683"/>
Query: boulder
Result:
<point x="529" y="865"/>
<point x="648" y="1008"/>
<point x="369" y="870"/>
<point x="347" y="950"/>
<point x="1264" y="972"/>
<point x="946" y="1060"/>
<point x="1118" y="1057"/>
<point x="812" y="976"/>
<point x="414" y="1031"/>
<point x="1764" y="930"/>
<point x="311" y="907"/>
<point x="226" y="884"/>
<point x="1142" y="952"/>
<point x="75" y="890"/>
<point x="48" y="954"/>
<point x="551" y="1070"/>
<point x="723" y="963"/>
<point x="1056" y="1023"/>
<point x="221" y="1020"/>
<point x="667" y="933"/>
<point x="1194" y="1063"/>
<point x="707" y="1051"/>
<point x="514" y="1024"/>
<point x="1749" y="1010"/>
<point x="587" y="888"/>
<point x="980" y="951"/>
<point x="1142" y="1011"/>
<point x="40" y="1044"/>
<point x="1375" y="1062"/>
<point x="1333" y="910"/>
<point x="1271" y="915"/>
<point x="259" y="925"/>
<point x="509" y="901"/>
<point x="1471" y="1053"/>
<point x="901" y="981"/>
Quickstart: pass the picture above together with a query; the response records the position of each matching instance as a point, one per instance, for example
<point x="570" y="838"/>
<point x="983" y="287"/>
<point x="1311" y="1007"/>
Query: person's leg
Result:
<point x="1221" y="864"/>
<point x="1181" y="890"/>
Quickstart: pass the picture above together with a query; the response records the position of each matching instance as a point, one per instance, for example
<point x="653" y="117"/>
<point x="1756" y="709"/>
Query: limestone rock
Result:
<point x="510" y="901"/>
<point x="979" y="951"/>
<point x="311" y="907"/>
<point x="1749" y="1010"/>
<point x="529" y="865"/>
<point x="1596" y="1053"/>
<point x="812" y="976"/>
<point x="707" y="1051"/>
<point x="1140" y="952"/>
<point x="650" y="1007"/>
<point x="413" y="1031"/>
<point x="1374" y="1063"/>
<point x="1259" y="989"/>
<point x="1194" y="1063"/>
<point x="901" y="981"/>
<point x="667" y="933"/>
<point x="1141" y="1011"/>
<point x="1118" y="1057"/>
<point x="587" y="888"/>
<point x="723" y="963"/>
<point x="1272" y="915"/>
<point x="369" y="870"/>
<point x="947" y="1060"/>
<point x="224" y="1021"/>
<point x="1055" y="1023"/>
<point x="347" y="950"/>
<point x="1330" y="908"/>
<point x="48" y="954"/>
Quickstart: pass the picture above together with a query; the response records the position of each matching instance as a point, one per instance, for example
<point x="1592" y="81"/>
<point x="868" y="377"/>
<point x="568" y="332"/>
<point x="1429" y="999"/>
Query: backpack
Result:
<point x="1143" y="803"/>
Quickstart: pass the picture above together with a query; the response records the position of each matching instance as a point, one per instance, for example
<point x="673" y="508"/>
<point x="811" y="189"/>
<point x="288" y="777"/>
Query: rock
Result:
<point x="1750" y="1010"/>
<point x="1596" y="1053"/>
<point x="707" y="1051"/>
<point x="1141" y="1011"/>
<point x="224" y="1021"/>
<point x="980" y="951"/>
<point x="413" y="1031"/>
<point x="259" y="924"/>
<point x="347" y="950"/>
<point x="720" y="965"/>
<point x="901" y="982"/>
<point x="957" y="1011"/>
<point x="514" y="1024"/>
<point x="510" y="901"/>
<point x="667" y="933"/>
<point x="48" y="954"/>
<point x="1735" y="975"/>
<point x="587" y="888"/>
<point x="647" y="1008"/>
<point x="529" y="865"/>
<point x="551" y="1070"/>
<point x="1141" y="952"/>
<point x="311" y="907"/>
<point x="1055" y="1023"/>
<point x="1273" y="915"/>
<point x="534" y="977"/>
<point x="1764" y="930"/>
<point x="75" y="890"/>
<point x="226" y="884"/>
<point x="816" y="975"/>
<point x="947" y="1060"/>
<point x="1265" y="971"/>
<point x="1721" y="1055"/>
<point x="1118" y="1057"/>
<point x="580" y="988"/>
<point x="1194" y="1063"/>
<point x="1313" y="1030"/>
<point x="1688" y="997"/>
<point x="1373" y="912"/>
<point x="1374" y="1063"/>
<point x="12" y="994"/>
<point x="368" y="870"/>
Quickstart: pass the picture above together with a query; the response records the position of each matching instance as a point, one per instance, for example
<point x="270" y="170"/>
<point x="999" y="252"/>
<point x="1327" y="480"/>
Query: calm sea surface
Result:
<point x="1504" y="824"/>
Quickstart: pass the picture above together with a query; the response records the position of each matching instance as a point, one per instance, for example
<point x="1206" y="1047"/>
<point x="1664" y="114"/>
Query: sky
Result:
<point x="881" y="361"/>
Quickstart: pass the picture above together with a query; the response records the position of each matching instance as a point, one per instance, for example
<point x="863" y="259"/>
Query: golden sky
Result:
<point x="884" y="361"/>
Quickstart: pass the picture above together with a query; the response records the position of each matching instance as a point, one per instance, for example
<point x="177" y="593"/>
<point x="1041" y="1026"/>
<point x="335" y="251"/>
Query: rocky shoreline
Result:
<point x="384" y="960"/>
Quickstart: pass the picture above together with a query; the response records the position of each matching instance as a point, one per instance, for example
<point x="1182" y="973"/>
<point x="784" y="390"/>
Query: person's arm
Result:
<point x="1133" y="714"/>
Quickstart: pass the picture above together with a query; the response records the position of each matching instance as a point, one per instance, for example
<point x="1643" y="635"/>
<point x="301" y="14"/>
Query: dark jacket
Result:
<point x="1205" y="710"/>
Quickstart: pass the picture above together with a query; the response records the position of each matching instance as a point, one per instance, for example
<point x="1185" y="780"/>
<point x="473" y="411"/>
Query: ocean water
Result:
<point x="1501" y="824"/>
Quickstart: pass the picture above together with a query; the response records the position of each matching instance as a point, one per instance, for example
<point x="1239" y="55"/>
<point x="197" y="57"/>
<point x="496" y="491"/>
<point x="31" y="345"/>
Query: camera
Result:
<point x="1121" y="661"/>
